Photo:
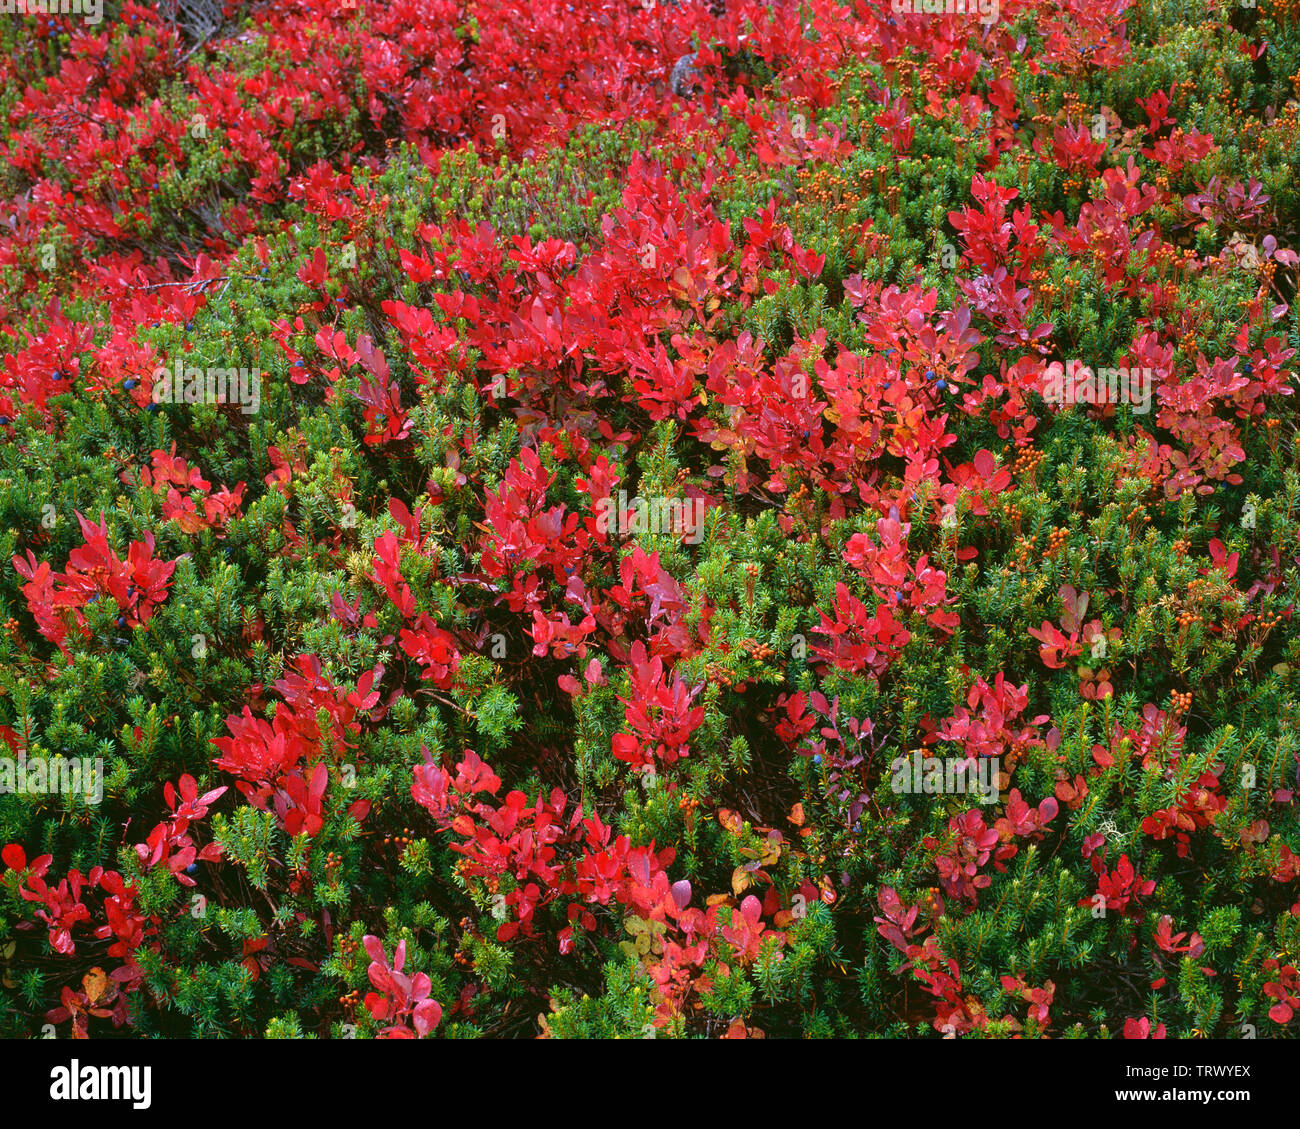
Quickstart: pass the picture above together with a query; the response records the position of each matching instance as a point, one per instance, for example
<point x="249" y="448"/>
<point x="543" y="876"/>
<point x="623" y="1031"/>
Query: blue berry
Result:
<point x="128" y="385"/>
<point x="4" y="421"/>
<point x="942" y="385"/>
<point x="929" y="374"/>
<point x="192" y="868"/>
<point x="152" y="408"/>
<point x="817" y="760"/>
<point x="121" y="621"/>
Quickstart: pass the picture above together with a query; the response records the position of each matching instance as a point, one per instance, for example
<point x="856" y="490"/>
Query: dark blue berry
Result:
<point x="121" y="621"/>
<point x="128" y="385"/>
<point x="942" y="385"/>
<point x="192" y="868"/>
<point x="817" y="760"/>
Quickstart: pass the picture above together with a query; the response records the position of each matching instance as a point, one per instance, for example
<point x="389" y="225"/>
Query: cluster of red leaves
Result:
<point x="137" y="585"/>
<point x="529" y="855"/>
<point x="1121" y="888"/>
<point x="973" y="843"/>
<point x="399" y="998"/>
<point x="1196" y="808"/>
<point x="283" y="763"/>
<point x="180" y="481"/>
<point x="939" y="974"/>
<point x="557" y="331"/>
<point x="63" y="907"/>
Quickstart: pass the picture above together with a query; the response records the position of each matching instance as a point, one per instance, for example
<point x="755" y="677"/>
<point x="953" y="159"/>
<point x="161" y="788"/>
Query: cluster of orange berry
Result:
<point x="460" y="956"/>
<point x="1056" y="540"/>
<point x="350" y="1000"/>
<point x="1181" y="547"/>
<point x="332" y="862"/>
<point x="1027" y="459"/>
<point x="828" y="193"/>
<point x="1186" y="618"/>
<point x="880" y="174"/>
<point x="719" y="674"/>
<point x="1024" y="162"/>
<point x="1181" y="702"/>
<point x="1268" y="621"/>
<point x="403" y="840"/>
<point x="1286" y="126"/>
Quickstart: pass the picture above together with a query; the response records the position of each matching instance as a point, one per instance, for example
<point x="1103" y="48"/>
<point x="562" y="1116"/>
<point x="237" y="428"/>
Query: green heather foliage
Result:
<point x="640" y="512"/>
